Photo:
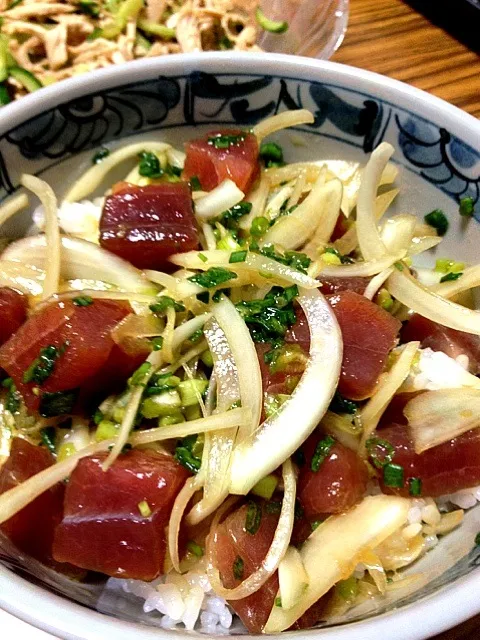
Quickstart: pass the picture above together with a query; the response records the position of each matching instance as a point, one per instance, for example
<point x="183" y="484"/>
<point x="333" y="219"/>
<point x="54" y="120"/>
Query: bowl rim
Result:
<point x="55" y="614"/>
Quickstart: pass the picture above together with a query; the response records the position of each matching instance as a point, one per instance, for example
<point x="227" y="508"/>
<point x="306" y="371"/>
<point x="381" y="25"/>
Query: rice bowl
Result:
<point x="209" y="621"/>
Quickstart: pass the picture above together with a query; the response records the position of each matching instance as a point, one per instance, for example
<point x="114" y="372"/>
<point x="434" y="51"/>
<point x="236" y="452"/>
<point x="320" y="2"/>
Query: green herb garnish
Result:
<point x="100" y="155"/>
<point x="195" y="548"/>
<point x="230" y="217"/>
<point x="438" y="220"/>
<point x="273" y="26"/>
<point x="260" y="226"/>
<point x="212" y="277"/>
<point x="225" y="141"/>
<point x="237" y="256"/>
<point x="271" y="154"/>
<point x="322" y="450"/>
<point x="466" y="207"/>
<point x="185" y="453"/>
<point x="139" y="376"/>
<point x="82" y="301"/>
<point x="294" y="259"/>
<point x="278" y="602"/>
<point x="195" y="184"/>
<point x="42" y="367"/>
<point x="238" y="568"/>
<point x="415" y="486"/>
<point x="393" y="475"/>
<point x="89" y="8"/>
<point x="196" y="336"/>
<point x="157" y="343"/>
<point x="253" y="518"/>
<point x="163" y="303"/>
<point x="149" y="165"/>
<point x="315" y="524"/>
<point x="477" y="539"/>
<point x="380" y="451"/>
<point x="339" y="404"/>
<point x="451" y="276"/>
<point x="48" y="436"/>
<point x="57" y="403"/>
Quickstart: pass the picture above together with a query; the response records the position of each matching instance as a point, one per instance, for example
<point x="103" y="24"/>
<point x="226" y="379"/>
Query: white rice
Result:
<point x="186" y="601"/>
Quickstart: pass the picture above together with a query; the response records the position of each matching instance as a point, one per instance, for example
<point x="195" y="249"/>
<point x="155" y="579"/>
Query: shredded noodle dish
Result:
<point x="226" y="387"/>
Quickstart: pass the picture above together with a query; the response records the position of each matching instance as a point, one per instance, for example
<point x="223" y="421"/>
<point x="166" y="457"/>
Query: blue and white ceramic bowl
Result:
<point x="52" y="134"/>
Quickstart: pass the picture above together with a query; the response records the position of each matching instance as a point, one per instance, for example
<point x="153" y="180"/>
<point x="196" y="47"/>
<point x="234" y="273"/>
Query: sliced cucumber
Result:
<point x="26" y="79"/>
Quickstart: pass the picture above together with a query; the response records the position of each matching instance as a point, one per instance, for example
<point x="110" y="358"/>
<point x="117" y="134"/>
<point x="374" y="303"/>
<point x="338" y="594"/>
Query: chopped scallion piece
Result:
<point x="253" y="518"/>
<point x="163" y="303"/>
<point x="339" y="404"/>
<point x="212" y="277"/>
<point x="278" y="602"/>
<point x="203" y="257"/>
<point x="100" y="155"/>
<point x="157" y="343"/>
<point x="438" y="220"/>
<point x="393" y="475"/>
<point x="238" y="568"/>
<point x="83" y="301"/>
<point x="322" y="450"/>
<point x="451" y="276"/>
<point x="57" y="403"/>
<point x="381" y="452"/>
<point x="195" y="548"/>
<point x="144" y="509"/>
<point x="466" y="207"/>
<point x="477" y="539"/>
<point x="190" y="390"/>
<point x="106" y="430"/>
<point x="138" y="377"/>
<point x="65" y="450"/>
<point x="315" y="524"/>
<point x="415" y="486"/>
<point x="42" y="367"/>
<point x="195" y="184"/>
<point x="48" y="436"/>
<point x="265" y="488"/>
<point x="272" y="26"/>
<point x="260" y="226"/>
<point x="225" y="141"/>
<point x="237" y="256"/>
<point x="272" y="154"/>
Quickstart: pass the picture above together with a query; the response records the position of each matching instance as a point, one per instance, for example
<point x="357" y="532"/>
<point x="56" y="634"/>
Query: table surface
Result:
<point x="389" y="37"/>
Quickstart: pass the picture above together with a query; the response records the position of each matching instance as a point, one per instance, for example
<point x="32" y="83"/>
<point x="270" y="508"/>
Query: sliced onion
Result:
<point x="469" y="279"/>
<point x="185" y="330"/>
<point x="419" y="244"/>
<point x="258" y="199"/>
<point x="334" y="547"/>
<point x="181" y="502"/>
<point x="292" y="231"/>
<point x="435" y="417"/>
<point x="277" y="201"/>
<point x="292" y="578"/>
<point x="255" y="264"/>
<point x="369" y="239"/>
<point x="226" y="195"/>
<point x="376" y="282"/>
<point x="81" y="260"/>
<point x="327" y="220"/>
<point x="415" y="296"/>
<point x="210" y="241"/>
<point x="349" y="241"/>
<point x="45" y="194"/>
<point x="374" y="567"/>
<point x="361" y="269"/>
<point x="94" y="176"/>
<point x="13" y="206"/>
<point x="299" y="189"/>
<point x="277" y="550"/>
<point x="397" y="233"/>
<point x="275" y="440"/>
<point x="373" y="410"/>
<point x="21" y="276"/>
<point x="283" y="120"/>
<point x="342" y="430"/>
<point x="133" y="330"/>
<point x="292" y="171"/>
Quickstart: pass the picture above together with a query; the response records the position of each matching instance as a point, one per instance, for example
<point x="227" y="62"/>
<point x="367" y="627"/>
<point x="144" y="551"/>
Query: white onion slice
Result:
<point x="181" y="502"/>
<point x="93" y="177"/>
<point x="334" y="546"/>
<point x="226" y="195"/>
<point x="258" y="199"/>
<point x="275" y="440"/>
<point x="435" y="417"/>
<point x="21" y="276"/>
<point x="373" y="410"/>
<point x="327" y="220"/>
<point x="419" y="244"/>
<point x="282" y="121"/>
<point x="369" y="239"/>
<point x="415" y="296"/>
<point x="276" y="552"/>
<point x="397" y="233"/>
<point x="376" y="282"/>
<point x="255" y="264"/>
<point x="292" y="578"/>
<point x="469" y="279"/>
<point x="361" y="269"/>
<point x="47" y="197"/>
<point x="81" y="260"/>
<point x="292" y="231"/>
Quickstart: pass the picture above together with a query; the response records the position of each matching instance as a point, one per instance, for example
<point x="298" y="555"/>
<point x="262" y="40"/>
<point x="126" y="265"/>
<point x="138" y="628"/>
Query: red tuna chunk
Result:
<point x="13" y="312"/>
<point x="212" y="165"/>
<point x="339" y="483"/>
<point x="440" y="338"/>
<point x="369" y="333"/>
<point x="81" y="334"/>
<point x="335" y="285"/>
<point x="146" y="225"/>
<point x="103" y="529"/>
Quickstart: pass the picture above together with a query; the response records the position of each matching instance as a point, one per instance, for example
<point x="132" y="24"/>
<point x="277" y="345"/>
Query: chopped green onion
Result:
<point x="144" y="509"/>
<point x="159" y="30"/>
<point x="83" y="301"/>
<point x="195" y="184"/>
<point x="322" y="450"/>
<point x="238" y="568"/>
<point x="207" y="358"/>
<point x="271" y="26"/>
<point x="173" y="418"/>
<point x="380" y="451"/>
<point x="149" y="166"/>
<point x="97" y="417"/>
<point x="315" y="524"/>
<point x="384" y="299"/>
<point x="451" y="276"/>
<point x="162" y="404"/>
<point x="42" y="367"/>
<point x="190" y="390"/>
<point x="106" y="430"/>
<point x="443" y="265"/>
<point x="477" y="539"/>
<point x="226" y="141"/>
<point x="265" y="488"/>
<point x="212" y="277"/>
<point x="138" y="377"/>
<point x="399" y="266"/>
<point x="237" y="256"/>
<point x="230" y="217"/>
<point x="157" y="343"/>
<point x="438" y="220"/>
<point x="225" y="44"/>
<point x="415" y="486"/>
<point x="165" y="302"/>
<point x="48" y="436"/>
<point x="100" y="155"/>
<point x="393" y="475"/>
<point x="89" y="8"/>
<point x="347" y="589"/>
<point x="187" y="459"/>
<point x="272" y="154"/>
<point x="466" y="207"/>
<point x="339" y="404"/>
<point x="195" y="548"/>
<point x="228" y="243"/>
<point x="13" y="400"/>
<point x="194" y="412"/>
<point x="273" y="507"/>
<point x="203" y="257"/>
<point x="57" y="403"/>
<point x="65" y="450"/>
<point x="253" y="518"/>
<point x="278" y="602"/>
<point x="260" y="226"/>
